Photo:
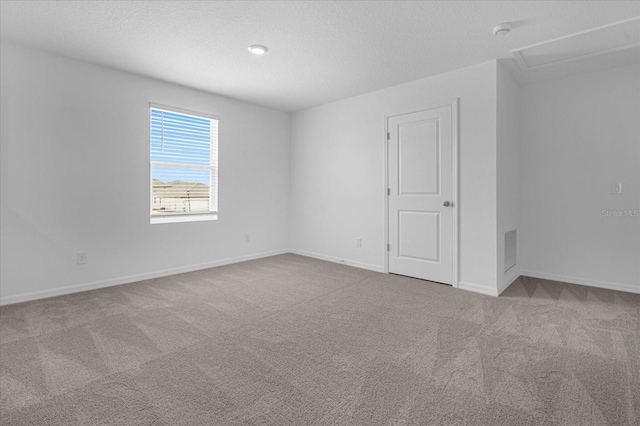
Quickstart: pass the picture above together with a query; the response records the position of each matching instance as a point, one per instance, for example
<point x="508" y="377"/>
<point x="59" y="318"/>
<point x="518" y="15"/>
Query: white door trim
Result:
<point x="454" y="104"/>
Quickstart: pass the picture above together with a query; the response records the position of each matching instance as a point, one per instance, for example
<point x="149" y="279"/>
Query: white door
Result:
<point x="421" y="190"/>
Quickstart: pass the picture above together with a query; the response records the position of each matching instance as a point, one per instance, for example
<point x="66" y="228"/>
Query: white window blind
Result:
<point x="184" y="163"/>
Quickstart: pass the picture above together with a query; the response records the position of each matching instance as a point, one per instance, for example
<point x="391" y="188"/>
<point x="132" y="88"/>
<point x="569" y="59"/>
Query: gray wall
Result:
<point x="75" y="177"/>
<point x="580" y="135"/>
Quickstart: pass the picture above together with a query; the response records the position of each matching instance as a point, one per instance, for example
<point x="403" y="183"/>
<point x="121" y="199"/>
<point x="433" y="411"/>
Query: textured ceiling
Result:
<point x="318" y="51"/>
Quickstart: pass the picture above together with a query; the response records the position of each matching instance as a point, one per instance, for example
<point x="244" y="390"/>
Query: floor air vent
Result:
<point x="597" y="41"/>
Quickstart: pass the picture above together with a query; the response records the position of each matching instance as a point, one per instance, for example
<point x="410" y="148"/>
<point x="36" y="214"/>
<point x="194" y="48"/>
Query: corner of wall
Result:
<point x="584" y="127"/>
<point x="507" y="173"/>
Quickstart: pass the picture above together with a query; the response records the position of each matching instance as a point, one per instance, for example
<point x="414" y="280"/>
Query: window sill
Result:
<point x="155" y="220"/>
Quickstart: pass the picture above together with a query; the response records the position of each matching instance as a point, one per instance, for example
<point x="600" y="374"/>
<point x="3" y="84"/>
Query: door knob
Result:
<point x="446" y="203"/>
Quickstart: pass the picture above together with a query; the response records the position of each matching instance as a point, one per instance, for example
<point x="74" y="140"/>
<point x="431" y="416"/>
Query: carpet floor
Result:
<point x="289" y="340"/>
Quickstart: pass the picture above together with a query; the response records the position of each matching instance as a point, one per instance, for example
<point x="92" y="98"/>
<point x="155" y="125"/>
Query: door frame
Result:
<point x="455" y="111"/>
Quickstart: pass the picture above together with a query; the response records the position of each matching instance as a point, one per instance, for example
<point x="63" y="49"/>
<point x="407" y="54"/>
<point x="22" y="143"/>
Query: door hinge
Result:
<point x="388" y="191"/>
<point x="388" y="247"/>
<point x="388" y="135"/>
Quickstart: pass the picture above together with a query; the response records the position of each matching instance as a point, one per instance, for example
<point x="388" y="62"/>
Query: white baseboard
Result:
<point x="629" y="288"/>
<point x="348" y="262"/>
<point x="131" y="278"/>
<point x="508" y="280"/>
<point x="476" y="288"/>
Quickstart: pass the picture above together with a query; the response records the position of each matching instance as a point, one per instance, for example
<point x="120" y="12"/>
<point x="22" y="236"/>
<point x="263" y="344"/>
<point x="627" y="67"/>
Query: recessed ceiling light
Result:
<point x="258" y="49"/>
<point x="502" y="29"/>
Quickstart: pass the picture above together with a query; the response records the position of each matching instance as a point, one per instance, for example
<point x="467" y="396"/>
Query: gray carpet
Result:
<point x="289" y="340"/>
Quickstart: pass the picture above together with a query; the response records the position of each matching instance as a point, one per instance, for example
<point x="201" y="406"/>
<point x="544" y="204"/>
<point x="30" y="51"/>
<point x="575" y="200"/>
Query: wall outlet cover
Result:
<point x="617" y="188"/>
<point x="81" y="257"/>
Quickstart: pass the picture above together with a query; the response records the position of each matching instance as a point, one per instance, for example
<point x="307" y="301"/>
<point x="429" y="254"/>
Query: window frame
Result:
<point x="156" y="218"/>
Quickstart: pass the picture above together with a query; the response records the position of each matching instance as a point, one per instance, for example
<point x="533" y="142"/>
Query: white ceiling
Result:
<point x="318" y="51"/>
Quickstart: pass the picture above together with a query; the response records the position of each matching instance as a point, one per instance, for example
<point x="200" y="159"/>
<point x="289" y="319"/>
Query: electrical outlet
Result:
<point x="617" y="188"/>
<point x="359" y="242"/>
<point x="81" y="257"/>
<point x="247" y="238"/>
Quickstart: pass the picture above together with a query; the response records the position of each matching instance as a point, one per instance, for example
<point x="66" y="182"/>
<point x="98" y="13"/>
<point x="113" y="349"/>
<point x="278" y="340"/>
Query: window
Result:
<point x="184" y="165"/>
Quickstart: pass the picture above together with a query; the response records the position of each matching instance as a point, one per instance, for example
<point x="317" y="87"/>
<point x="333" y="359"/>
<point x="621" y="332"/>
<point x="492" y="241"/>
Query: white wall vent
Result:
<point x="510" y="249"/>
<point x="597" y="41"/>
